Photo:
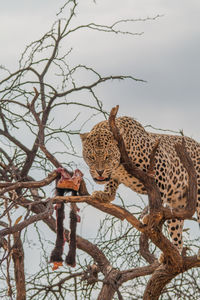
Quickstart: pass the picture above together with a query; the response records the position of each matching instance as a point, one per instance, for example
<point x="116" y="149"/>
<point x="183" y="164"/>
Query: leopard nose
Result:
<point x="100" y="172"/>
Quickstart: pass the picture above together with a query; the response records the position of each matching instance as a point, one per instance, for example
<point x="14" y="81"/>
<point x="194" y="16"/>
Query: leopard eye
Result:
<point x="107" y="157"/>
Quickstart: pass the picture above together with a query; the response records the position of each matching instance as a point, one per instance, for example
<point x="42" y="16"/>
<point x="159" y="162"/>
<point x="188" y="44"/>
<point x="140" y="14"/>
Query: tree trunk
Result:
<point x="18" y="259"/>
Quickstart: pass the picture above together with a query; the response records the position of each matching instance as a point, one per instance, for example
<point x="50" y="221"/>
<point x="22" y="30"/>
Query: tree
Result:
<point x="37" y="117"/>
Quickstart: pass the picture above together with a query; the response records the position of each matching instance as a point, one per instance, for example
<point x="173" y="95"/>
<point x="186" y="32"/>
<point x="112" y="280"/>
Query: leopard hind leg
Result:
<point x="198" y="213"/>
<point x="175" y="229"/>
<point x="198" y="205"/>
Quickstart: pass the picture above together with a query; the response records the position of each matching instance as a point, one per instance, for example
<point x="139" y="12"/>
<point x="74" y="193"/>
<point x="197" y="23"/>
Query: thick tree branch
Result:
<point x="18" y="259"/>
<point x="137" y="272"/>
<point x="144" y="249"/>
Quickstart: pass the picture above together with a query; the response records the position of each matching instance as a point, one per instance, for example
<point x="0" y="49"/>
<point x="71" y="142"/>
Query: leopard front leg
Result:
<point x="109" y="192"/>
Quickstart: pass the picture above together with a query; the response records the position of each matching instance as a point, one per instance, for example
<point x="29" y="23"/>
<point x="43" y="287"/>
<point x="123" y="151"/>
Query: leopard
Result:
<point x="101" y="153"/>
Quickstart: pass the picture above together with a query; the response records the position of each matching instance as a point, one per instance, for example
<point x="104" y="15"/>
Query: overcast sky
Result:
<point x="166" y="55"/>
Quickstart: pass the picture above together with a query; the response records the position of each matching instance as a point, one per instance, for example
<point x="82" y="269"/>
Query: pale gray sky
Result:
<point x="166" y="55"/>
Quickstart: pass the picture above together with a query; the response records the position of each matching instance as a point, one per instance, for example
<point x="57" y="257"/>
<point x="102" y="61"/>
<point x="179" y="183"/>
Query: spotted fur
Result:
<point x="102" y="155"/>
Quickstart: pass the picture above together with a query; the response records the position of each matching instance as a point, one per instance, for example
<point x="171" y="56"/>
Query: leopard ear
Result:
<point x="84" y="136"/>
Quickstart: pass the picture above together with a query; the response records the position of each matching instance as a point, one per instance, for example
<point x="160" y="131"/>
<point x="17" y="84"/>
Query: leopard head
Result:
<point x="101" y="153"/>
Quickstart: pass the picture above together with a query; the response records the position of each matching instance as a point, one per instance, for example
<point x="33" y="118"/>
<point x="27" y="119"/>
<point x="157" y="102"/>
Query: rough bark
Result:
<point x="18" y="259"/>
<point x="110" y="285"/>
